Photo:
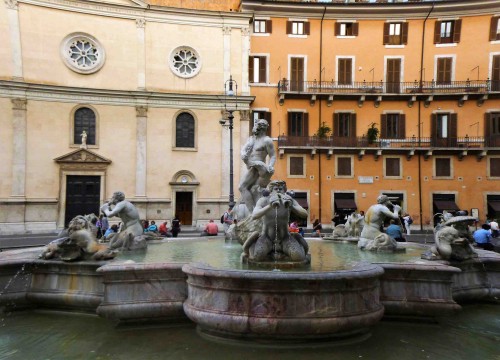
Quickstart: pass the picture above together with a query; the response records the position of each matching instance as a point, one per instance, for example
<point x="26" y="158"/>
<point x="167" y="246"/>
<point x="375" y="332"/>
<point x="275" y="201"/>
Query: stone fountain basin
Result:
<point x="280" y="306"/>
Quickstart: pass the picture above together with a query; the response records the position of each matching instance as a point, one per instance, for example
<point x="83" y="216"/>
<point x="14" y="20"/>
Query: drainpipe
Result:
<point x="420" y="122"/>
<point x="320" y="106"/>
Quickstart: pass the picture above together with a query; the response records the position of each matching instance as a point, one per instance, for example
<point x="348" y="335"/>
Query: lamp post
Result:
<point x="230" y="90"/>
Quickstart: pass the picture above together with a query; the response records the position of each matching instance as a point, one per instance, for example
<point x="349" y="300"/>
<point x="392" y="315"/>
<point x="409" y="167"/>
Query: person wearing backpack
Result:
<point x="408" y="221"/>
<point x="227" y="219"/>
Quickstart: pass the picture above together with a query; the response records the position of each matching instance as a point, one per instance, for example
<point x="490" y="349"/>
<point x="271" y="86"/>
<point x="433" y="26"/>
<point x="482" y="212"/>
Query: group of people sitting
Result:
<point x="483" y="236"/>
<point x="163" y="229"/>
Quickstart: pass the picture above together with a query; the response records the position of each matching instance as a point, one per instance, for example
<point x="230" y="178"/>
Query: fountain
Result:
<point x="274" y="289"/>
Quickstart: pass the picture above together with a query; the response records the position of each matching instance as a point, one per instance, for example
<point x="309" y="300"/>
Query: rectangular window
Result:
<point x="257" y="69"/>
<point x="343" y="129"/>
<point x="442" y="167"/>
<point x="494" y="127"/>
<point x="442" y="126"/>
<point x="344" y="167"/>
<point x="296" y="166"/>
<point x="256" y="115"/>
<point x="392" y="167"/>
<point x="346" y="29"/>
<point x="298" y="124"/>
<point x="295" y="27"/>
<point x="494" y="167"/>
<point x="393" y="126"/>
<point x="262" y="26"/>
<point x="395" y="33"/>
<point x="345" y="71"/>
<point x="447" y="31"/>
<point x="444" y="71"/>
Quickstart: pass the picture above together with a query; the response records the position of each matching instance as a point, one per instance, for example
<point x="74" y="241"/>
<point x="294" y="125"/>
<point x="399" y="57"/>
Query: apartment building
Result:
<point x="381" y="97"/>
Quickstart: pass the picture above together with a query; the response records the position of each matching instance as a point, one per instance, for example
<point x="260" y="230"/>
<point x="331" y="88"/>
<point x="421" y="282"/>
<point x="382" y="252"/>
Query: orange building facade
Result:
<point x="426" y="75"/>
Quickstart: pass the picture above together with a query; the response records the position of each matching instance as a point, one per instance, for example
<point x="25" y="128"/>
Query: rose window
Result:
<point x="82" y="53"/>
<point x="185" y="62"/>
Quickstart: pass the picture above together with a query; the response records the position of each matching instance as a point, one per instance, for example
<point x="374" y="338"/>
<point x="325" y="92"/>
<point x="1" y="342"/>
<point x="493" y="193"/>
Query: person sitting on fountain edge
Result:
<point x="394" y="231"/>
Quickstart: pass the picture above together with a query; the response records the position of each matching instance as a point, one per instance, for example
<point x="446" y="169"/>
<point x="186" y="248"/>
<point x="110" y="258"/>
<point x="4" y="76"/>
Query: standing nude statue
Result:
<point x="275" y="242"/>
<point x="254" y="154"/>
<point x="84" y="140"/>
<point x="129" y="215"/>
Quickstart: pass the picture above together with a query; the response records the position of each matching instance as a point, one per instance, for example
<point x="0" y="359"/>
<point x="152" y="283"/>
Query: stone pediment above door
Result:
<point x="82" y="159"/>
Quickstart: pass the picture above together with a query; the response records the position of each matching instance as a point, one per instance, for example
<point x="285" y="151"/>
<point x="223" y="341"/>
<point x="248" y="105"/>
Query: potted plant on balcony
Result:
<point x="323" y="131"/>
<point x="372" y="133"/>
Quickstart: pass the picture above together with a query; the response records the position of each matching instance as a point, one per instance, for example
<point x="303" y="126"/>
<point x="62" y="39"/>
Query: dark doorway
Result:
<point x="344" y="205"/>
<point x="301" y="198"/>
<point x="82" y="196"/>
<point x="184" y="207"/>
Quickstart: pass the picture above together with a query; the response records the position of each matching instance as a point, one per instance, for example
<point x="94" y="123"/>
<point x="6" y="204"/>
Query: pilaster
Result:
<point x="141" y="145"/>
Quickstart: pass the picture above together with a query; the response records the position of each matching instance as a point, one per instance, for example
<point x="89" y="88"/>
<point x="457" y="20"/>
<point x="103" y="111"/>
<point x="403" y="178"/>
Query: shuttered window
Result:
<point x="298" y="124"/>
<point x="392" y="167"/>
<point x="262" y="26"/>
<point x="344" y="125"/>
<point x="495" y="167"/>
<point x="345" y="71"/>
<point x="257" y="67"/>
<point x="298" y="27"/>
<point x="494" y="29"/>
<point x="344" y="166"/>
<point x="84" y="120"/>
<point x="444" y="71"/>
<point x="442" y="167"/>
<point x="296" y="165"/>
<point x="184" y="131"/>
<point x="346" y="29"/>
<point x="447" y="31"/>
<point x="395" y="33"/>
<point x="393" y="126"/>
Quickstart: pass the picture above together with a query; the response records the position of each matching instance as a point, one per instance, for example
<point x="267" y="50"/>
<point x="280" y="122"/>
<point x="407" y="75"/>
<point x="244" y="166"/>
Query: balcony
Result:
<point x="460" y="146"/>
<point x="479" y="90"/>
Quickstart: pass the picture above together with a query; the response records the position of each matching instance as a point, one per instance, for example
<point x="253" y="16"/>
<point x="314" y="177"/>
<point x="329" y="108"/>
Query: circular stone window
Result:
<point x="185" y="62"/>
<point x="82" y="53"/>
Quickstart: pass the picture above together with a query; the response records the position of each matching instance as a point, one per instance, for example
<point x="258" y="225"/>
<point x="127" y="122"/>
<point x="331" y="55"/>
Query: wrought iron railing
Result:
<point x="404" y="143"/>
<point x="380" y="87"/>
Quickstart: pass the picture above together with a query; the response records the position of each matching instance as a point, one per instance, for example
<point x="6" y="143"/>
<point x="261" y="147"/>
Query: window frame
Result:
<point x="72" y="127"/>
<point x="267" y="24"/>
<point x="305" y="123"/>
<point x="351" y="29"/>
<point x="338" y="74"/>
<point x="489" y="166"/>
<point x="174" y="132"/>
<point x="434" y="168"/>
<point x="438" y="70"/>
<point x="455" y="32"/>
<point x="298" y="28"/>
<point x="342" y="176"/>
<point x="400" y="167"/>
<point x="395" y="40"/>
<point x="398" y="121"/>
<point x="289" y="166"/>
<point x="262" y="72"/>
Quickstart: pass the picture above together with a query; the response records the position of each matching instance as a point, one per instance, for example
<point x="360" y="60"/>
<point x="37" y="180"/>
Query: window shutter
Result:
<point x="404" y="35"/>
<point x="337" y="29"/>
<point x="493" y="28"/>
<point x="355" y="29"/>
<point x="352" y="125"/>
<point x="383" y="125"/>
<point x="348" y="71"/>
<point x="269" y="26"/>
<point x="434" y="126"/>
<point x="386" y="33"/>
<point x="262" y="69"/>
<point x="488" y="125"/>
<point x="336" y="124"/>
<point x="457" y="27"/>
<point x="288" y="27"/>
<point x="402" y="126"/>
<point x="289" y="124"/>
<point x="250" y="69"/>
<point x="307" y="28"/>
<point x="305" y="131"/>
<point x="267" y="116"/>
<point x="437" y="32"/>
<point x="453" y="126"/>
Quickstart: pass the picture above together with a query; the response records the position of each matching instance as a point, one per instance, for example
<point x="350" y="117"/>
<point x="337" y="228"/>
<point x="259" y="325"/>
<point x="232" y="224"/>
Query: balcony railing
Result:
<point x="364" y="87"/>
<point x="466" y="142"/>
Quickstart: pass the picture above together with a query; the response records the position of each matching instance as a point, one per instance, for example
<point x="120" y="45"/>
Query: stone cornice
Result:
<point x="409" y="10"/>
<point x="149" y="13"/>
<point x="38" y="92"/>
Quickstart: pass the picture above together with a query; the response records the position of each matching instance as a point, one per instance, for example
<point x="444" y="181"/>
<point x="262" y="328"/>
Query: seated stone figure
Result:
<point x="131" y="235"/>
<point x="78" y="242"/>
<point x="371" y="237"/>
<point x="275" y="242"/>
<point x="452" y="241"/>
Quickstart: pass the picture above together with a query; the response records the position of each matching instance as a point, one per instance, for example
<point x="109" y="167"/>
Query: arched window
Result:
<point x="184" y="131"/>
<point x="84" y="120"/>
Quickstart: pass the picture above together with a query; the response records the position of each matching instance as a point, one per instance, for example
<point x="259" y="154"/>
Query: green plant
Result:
<point x="323" y="131"/>
<point x="372" y="133"/>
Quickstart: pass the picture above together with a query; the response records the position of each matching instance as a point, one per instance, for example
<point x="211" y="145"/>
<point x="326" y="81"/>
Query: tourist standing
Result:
<point x="407" y="220"/>
<point x="176" y="226"/>
<point x="227" y="219"/>
<point x="104" y="224"/>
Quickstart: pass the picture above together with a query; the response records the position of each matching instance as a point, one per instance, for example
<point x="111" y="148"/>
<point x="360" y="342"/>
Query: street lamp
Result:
<point x="230" y="90"/>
